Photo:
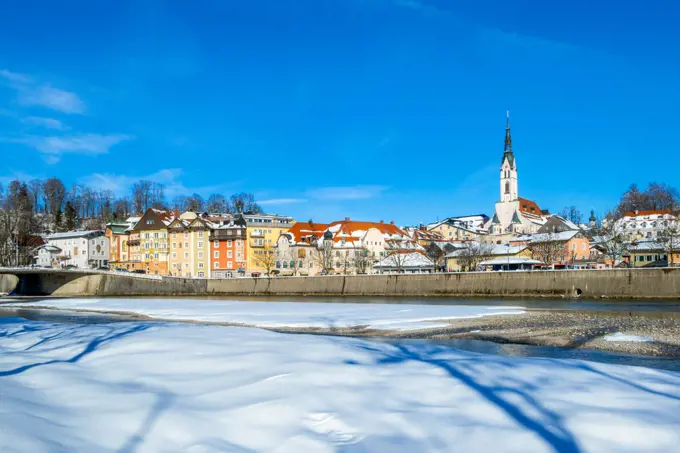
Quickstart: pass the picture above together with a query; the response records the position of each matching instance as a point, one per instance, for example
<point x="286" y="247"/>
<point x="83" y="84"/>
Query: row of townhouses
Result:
<point x="519" y="235"/>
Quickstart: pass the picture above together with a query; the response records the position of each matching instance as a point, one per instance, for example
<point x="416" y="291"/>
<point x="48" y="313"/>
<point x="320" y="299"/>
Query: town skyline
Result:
<point x="361" y="121"/>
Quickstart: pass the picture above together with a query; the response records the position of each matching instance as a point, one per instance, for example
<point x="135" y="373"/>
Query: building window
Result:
<point x="186" y="235"/>
<point x="155" y="235"/>
<point x="186" y="255"/>
<point x="155" y="255"/>
<point x="507" y="187"/>
<point x="186" y="265"/>
<point x="155" y="245"/>
<point x="200" y="254"/>
<point x="216" y="244"/>
<point x="200" y="244"/>
<point x="147" y="235"/>
<point x="229" y="243"/>
<point x="174" y="235"/>
<point x="174" y="265"/>
<point x="149" y="222"/>
<point x="174" y="245"/>
<point x="229" y="264"/>
<point x="186" y="245"/>
<point x="229" y="253"/>
<point x="217" y="265"/>
<point x="200" y="264"/>
<point x="216" y="254"/>
<point x="174" y="255"/>
<point x="201" y="274"/>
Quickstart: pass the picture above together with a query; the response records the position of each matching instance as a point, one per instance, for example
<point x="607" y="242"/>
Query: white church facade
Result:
<point x="513" y="214"/>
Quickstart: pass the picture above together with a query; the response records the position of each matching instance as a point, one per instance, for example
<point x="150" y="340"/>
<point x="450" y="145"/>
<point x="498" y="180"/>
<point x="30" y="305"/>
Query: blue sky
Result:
<point x="373" y="109"/>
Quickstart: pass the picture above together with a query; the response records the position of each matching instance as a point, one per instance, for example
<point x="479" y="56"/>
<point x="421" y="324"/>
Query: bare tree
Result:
<point x="668" y="239"/>
<point x="345" y="261"/>
<point x="266" y="258"/>
<point x="548" y="248"/>
<point x="141" y="195"/>
<point x="322" y="256"/>
<point x="473" y="254"/>
<point x="363" y="261"/>
<point x="435" y="253"/>
<point x="181" y="203"/>
<point x="398" y="258"/>
<point x="216" y="203"/>
<point x="572" y="214"/>
<point x="657" y="196"/>
<point x="243" y="202"/>
<point x="611" y="242"/>
<point x="157" y="195"/>
<point x="53" y="192"/>
<point x="195" y="203"/>
<point x="35" y="190"/>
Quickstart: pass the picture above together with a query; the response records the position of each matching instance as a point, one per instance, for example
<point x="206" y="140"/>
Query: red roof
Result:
<point x="650" y="212"/>
<point x="302" y="230"/>
<point x="528" y="206"/>
<point x="347" y="227"/>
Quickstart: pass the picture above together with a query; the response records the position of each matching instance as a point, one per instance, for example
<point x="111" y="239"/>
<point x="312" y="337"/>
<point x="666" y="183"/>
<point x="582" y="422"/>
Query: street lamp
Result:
<point x="507" y="250"/>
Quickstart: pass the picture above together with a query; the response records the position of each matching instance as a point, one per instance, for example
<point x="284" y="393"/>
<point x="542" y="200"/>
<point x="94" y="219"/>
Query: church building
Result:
<point x="514" y="214"/>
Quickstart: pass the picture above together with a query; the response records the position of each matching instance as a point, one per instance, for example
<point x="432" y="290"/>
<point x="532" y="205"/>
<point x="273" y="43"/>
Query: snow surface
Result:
<point x="288" y="314"/>
<point x="171" y="387"/>
<point x="619" y="336"/>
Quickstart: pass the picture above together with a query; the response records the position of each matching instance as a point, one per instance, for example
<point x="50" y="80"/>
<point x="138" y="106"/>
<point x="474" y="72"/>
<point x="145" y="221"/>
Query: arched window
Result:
<point x="507" y="187"/>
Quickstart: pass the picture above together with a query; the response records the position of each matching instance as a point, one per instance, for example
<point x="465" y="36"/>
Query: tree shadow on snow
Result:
<point x="114" y="333"/>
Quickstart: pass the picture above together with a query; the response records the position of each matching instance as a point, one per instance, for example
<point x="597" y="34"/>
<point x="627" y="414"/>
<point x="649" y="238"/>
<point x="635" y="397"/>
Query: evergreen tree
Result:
<point x="69" y="217"/>
<point x="57" y="219"/>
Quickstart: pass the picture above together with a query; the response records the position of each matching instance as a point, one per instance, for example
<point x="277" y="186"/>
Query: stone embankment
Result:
<point x="613" y="284"/>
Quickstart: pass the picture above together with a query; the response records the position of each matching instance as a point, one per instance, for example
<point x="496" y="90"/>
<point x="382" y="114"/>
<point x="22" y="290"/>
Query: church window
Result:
<point x="507" y="187"/>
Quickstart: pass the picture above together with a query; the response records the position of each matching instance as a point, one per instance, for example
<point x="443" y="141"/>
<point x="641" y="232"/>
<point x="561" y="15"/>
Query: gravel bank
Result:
<point x="565" y="329"/>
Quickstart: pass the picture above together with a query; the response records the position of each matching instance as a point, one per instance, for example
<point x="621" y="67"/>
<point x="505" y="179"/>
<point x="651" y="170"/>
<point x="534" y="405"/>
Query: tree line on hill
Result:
<point x="37" y="207"/>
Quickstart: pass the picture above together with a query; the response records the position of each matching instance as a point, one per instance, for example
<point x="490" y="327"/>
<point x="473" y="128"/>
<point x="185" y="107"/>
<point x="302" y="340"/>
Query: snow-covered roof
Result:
<point x="404" y="260"/>
<point x="503" y="261"/>
<point x="76" y="234"/>
<point x="547" y="237"/>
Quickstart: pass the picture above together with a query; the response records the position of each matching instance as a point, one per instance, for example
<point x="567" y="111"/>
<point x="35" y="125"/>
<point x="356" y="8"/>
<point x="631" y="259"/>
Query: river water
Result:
<point x="649" y="308"/>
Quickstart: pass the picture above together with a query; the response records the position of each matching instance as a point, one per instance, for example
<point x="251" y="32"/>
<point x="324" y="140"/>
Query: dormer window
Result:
<point x="149" y="222"/>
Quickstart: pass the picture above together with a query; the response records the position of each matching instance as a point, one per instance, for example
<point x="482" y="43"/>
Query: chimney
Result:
<point x="346" y="219"/>
<point x="391" y="222"/>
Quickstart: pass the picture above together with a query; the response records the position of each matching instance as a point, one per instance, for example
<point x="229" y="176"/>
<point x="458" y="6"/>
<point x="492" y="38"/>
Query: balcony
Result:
<point x="227" y="235"/>
<point x="256" y="234"/>
<point x="134" y="243"/>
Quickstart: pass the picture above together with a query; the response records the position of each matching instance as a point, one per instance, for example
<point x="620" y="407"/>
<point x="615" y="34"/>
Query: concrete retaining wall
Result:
<point x="623" y="284"/>
<point x="8" y="283"/>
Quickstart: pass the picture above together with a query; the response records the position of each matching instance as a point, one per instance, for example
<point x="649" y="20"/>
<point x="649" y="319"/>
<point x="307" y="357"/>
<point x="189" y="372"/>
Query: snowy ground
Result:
<point x="289" y="314"/>
<point x="171" y="387"/>
<point x="619" y="336"/>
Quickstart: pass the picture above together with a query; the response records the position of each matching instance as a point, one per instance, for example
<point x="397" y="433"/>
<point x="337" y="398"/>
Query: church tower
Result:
<point x="508" y="175"/>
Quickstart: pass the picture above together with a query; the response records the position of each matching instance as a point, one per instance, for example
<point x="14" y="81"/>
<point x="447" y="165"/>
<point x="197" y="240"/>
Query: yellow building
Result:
<point x="469" y="228"/>
<point x="154" y="249"/>
<point x="469" y="258"/>
<point x="189" y="246"/>
<point x="263" y="230"/>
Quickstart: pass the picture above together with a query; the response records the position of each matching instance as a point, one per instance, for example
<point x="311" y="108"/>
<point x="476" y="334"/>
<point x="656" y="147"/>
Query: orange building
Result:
<point x="150" y="237"/>
<point x="228" y="247"/>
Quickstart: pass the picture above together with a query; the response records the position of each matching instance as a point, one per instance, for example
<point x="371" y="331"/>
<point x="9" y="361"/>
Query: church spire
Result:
<point x="507" y="153"/>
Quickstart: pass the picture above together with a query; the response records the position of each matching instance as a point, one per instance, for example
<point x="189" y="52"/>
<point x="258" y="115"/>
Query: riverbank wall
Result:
<point x="593" y="284"/>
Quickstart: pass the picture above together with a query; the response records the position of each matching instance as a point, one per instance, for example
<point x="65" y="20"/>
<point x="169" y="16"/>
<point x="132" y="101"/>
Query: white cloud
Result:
<point x="31" y="93"/>
<point x="15" y="77"/>
<point x="346" y="193"/>
<point x="54" y="146"/>
<point x="49" y="123"/>
<point x="53" y="98"/>
<point x="277" y="201"/>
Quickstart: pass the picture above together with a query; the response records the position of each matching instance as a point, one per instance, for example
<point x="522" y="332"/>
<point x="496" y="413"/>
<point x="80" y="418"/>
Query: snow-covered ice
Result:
<point x="288" y="314"/>
<point x="619" y="336"/>
<point x="175" y="387"/>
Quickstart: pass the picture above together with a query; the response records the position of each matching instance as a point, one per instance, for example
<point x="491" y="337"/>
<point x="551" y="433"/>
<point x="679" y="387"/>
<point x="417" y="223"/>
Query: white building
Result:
<point x="405" y="263"/>
<point x="83" y="249"/>
<point x="645" y="224"/>
<point x="513" y="214"/>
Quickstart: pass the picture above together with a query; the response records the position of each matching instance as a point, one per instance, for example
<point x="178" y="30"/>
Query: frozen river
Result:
<point x="98" y="383"/>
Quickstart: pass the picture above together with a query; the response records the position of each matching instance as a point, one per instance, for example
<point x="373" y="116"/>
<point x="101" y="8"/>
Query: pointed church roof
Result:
<point x="515" y="218"/>
<point x="495" y="219"/>
<point x="507" y="153"/>
<point x="592" y="216"/>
